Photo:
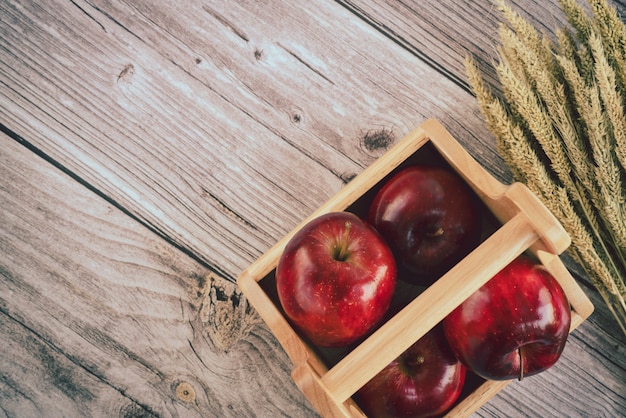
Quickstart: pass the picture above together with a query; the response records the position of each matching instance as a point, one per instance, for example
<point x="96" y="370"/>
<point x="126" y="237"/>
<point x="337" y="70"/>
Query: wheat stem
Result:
<point x="561" y="128"/>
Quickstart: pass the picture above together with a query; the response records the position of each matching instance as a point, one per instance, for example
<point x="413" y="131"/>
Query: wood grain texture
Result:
<point x="452" y="28"/>
<point x="145" y="102"/>
<point x="455" y="29"/>
<point x="100" y="317"/>
<point x="158" y="148"/>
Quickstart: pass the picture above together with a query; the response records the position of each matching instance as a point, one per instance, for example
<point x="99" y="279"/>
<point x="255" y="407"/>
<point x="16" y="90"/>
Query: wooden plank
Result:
<point x="443" y="32"/>
<point x="147" y="101"/>
<point x="37" y="380"/>
<point x="100" y="317"/>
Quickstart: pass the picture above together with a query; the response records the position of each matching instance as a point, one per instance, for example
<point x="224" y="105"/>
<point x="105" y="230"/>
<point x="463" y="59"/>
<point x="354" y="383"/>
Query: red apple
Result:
<point x="430" y="219"/>
<point x="424" y="381"/>
<point x="515" y="325"/>
<point x="335" y="279"/>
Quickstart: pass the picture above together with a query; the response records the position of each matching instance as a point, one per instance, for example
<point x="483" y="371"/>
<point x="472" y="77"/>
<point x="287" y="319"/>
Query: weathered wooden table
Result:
<point x="150" y="151"/>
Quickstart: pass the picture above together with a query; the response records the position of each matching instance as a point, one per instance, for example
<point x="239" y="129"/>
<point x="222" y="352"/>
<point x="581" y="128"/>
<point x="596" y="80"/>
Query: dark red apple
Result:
<point x="335" y="279"/>
<point x="430" y="219"/>
<point x="515" y="325"/>
<point x="424" y="381"/>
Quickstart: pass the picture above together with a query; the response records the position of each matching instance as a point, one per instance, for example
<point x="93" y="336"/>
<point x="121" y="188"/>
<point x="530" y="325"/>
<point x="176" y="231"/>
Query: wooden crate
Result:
<point x="521" y="223"/>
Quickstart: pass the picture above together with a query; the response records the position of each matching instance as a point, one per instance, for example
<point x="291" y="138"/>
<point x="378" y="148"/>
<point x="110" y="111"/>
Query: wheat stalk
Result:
<point x="560" y="127"/>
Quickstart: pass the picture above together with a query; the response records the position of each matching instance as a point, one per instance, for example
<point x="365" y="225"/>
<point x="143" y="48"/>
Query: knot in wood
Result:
<point x="296" y="114"/>
<point x="379" y="139"/>
<point x="133" y="410"/>
<point x="126" y="74"/>
<point x="185" y="392"/>
<point x="225" y="313"/>
<point x="347" y="177"/>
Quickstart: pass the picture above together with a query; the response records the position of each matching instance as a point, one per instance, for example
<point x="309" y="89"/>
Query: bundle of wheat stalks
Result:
<point x="560" y="126"/>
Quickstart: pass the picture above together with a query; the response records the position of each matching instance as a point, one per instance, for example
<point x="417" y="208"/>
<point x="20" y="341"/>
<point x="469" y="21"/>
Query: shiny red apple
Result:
<point x="335" y="279"/>
<point x="515" y="325"/>
<point x="424" y="381"/>
<point x="430" y="219"/>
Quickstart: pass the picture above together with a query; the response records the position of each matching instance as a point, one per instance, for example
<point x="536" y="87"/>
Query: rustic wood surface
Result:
<point x="150" y="151"/>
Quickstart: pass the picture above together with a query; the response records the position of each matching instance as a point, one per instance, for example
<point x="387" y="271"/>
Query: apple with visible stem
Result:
<point x="335" y="279"/>
<point x="424" y="381"/>
<point x="515" y="325"/>
<point x="430" y="218"/>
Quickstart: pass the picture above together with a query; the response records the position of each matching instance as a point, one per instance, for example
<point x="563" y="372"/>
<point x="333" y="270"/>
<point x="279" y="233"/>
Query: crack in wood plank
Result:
<point x="227" y="23"/>
<point x="305" y="63"/>
<point x="89" y="16"/>
<point x="227" y="210"/>
<point x="397" y="37"/>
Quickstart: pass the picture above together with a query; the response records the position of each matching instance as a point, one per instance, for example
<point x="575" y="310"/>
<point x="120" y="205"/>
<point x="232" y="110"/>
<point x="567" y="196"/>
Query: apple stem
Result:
<point x="521" y="364"/>
<point x="343" y="247"/>
<point x="412" y="362"/>
<point x="436" y="233"/>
